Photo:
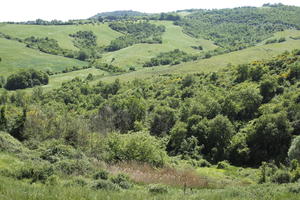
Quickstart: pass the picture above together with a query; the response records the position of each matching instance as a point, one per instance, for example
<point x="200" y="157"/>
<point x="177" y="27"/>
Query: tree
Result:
<point x="163" y="120"/>
<point x="220" y="132"/>
<point x="268" y="87"/>
<point x="26" y="79"/>
<point x="294" y="150"/>
<point x="177" y="136"/>
<point x="83" y="55"/>
<point x="269" y="138"/>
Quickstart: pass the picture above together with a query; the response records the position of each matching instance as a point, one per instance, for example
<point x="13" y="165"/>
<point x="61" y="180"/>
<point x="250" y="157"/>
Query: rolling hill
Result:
<point x="16" y="56"/>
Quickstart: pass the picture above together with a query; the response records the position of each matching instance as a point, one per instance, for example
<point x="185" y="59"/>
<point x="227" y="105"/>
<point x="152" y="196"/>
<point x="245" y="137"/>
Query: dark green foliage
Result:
<point x="223" y="165"/>
<point x="271" y="41"/>
<point x="122" y="180"/>
<point x="174" y="57"/>
<point x="163" y="120"/>
<point x="294" y="72"/>
<point x="36" y="171"/>
<point x="169" y="16"/>
<point x="264" y="132"/>
<point x="102" y="174"/>
<point x="26" y="79"/>
<point x="198" y="47"/>
<point x="235" y="29"/>
<point x="294" y="150"/>
<point x="108" y="67"/>
<point x="105" y="185"/>
<point x="135" y="32"/>
<point x="84" y="39"/>
<point x="281" y="176"/>
<point x="48" y="45"/>
<point x="73" y="167"/>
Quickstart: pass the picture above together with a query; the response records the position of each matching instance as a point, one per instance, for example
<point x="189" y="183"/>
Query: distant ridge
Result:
<point x="119" y="13"/>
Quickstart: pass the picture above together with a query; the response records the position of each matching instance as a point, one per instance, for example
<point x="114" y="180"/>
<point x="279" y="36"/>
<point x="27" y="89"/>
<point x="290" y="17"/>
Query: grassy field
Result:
<point x="217" y="62"/>
<point x="173" y="38"/>
<point x="16" y="56"/>
<point x="60" y="32"/>
<point x="66" y="188"/>
<point x="56" y="80"/>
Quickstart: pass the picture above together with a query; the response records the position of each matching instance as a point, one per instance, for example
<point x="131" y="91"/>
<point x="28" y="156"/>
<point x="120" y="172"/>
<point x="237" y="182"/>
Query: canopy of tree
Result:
<point x="26" y="79"/>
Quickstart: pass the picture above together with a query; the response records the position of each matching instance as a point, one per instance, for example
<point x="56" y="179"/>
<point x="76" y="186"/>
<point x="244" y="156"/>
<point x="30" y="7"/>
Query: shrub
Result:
<point x="102" y="174"/>
<point x="52" y="180"/>
<point x="138" y="146"/>
<point x="282" y="39"/>
<point x="294" y="189"/>
<point x="73" y="166"/>
<point x="80" y="181"/>
<point x="281" y="176"/>
<point x="158" y="189"/>
<point x="294" y="150"/>
<point x="223" y="165"/>
<point x="296" y="175"/>
<point x="122" y="180"/>
<point x="105" y="185"/>
<point x="36" y="171"/>
<point x="9" y="144"/>
<point x="203" y="163"/>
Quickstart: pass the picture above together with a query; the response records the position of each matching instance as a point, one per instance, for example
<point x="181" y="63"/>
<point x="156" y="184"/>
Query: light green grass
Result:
<point x="55" y="81"/>
<point x="173" y="38"/>
<point x="16" y="56"/>
<point x="217" y="62"/>
<point x="60" y="32"/>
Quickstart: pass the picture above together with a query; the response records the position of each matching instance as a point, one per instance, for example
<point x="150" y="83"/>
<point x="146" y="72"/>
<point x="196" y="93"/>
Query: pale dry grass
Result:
<point x="146" y="174"/>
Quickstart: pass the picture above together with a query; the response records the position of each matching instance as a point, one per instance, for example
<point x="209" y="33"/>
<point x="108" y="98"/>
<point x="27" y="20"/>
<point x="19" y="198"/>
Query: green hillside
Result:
<point x="16" y="56"/>
<point x="173" y="38"/>
<point x="218" y="62"/>
<point x="192" y="104"/>
<point x="60" y="32"/>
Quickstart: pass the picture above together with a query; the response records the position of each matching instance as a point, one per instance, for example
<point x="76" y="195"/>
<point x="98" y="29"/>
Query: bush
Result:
<point x="138" y="146"/>
<point x="80" y="181"/>
<point x="203" y="163"/>
<point x="294" y="150"/>
<point x="9" y="144"/>
<point x="105" y="185"/>
<point x="36" y="171"/>
<point x="296" y="175"/>
<point x="102" y="174"/>
<point x="122" y="180"/>
<point x="223" y="165"/>
<point x="281" y="176"/>
<point x="73" y="166"/>
<point x="52" y="180"/>
<point x="294" y="189"/>
<point x="158" y="189"/>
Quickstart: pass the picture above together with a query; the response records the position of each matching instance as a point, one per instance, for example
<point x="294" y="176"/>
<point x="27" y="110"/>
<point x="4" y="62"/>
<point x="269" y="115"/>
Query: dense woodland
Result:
<point x="239" y="28"/>
<point x="235" y="115"/>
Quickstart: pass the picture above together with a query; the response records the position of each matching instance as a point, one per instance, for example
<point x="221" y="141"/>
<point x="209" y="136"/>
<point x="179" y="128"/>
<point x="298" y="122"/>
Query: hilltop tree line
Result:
<point x="245" y="114"/>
